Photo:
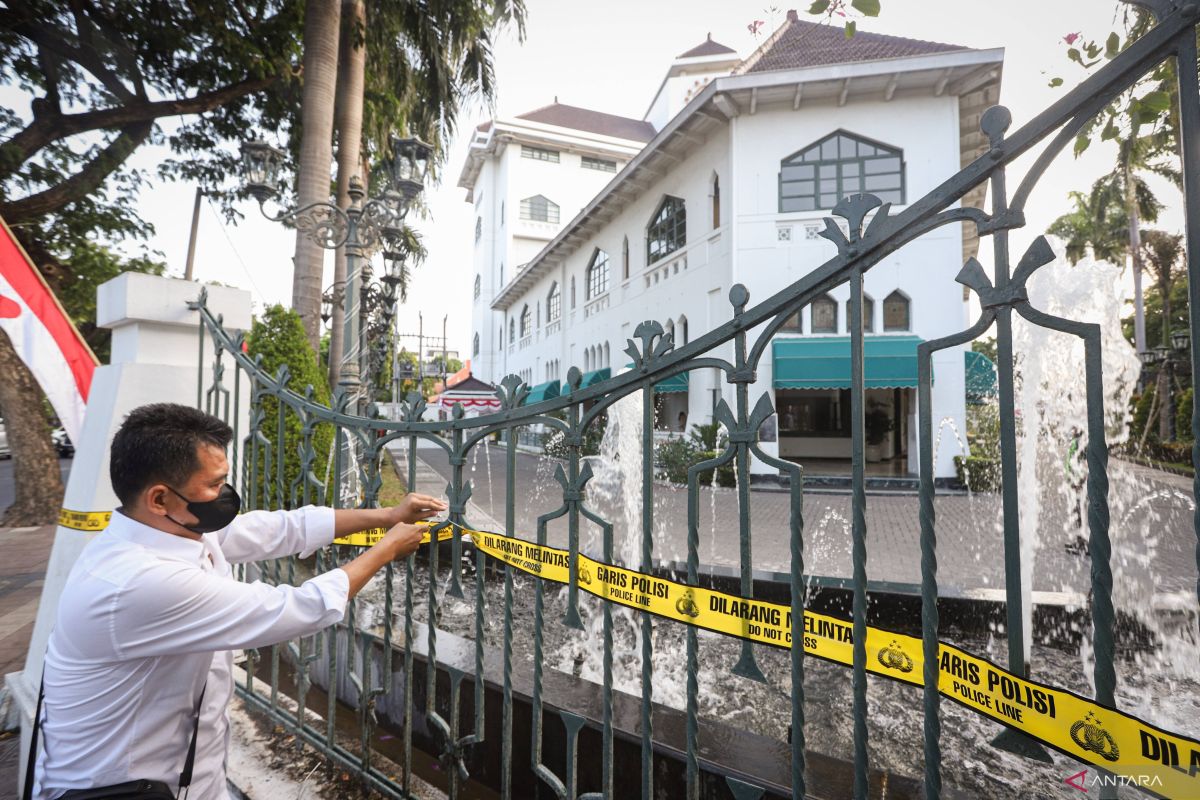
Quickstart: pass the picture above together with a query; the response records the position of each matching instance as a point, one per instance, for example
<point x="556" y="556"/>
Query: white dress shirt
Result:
<point x="145" y="618"/>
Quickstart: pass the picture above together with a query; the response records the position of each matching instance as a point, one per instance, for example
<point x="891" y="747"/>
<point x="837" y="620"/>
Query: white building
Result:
<point x="726" y="181"/>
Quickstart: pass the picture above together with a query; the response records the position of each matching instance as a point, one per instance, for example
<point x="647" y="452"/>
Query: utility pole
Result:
<point x="421" y="352"/>
<point x="191" y="256"/>
<point x="445" y="362"/>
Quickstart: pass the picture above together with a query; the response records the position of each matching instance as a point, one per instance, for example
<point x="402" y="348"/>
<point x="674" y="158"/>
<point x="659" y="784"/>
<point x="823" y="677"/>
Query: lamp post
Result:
<point x="1167" y="357"/>
<point x="360" y="228"/>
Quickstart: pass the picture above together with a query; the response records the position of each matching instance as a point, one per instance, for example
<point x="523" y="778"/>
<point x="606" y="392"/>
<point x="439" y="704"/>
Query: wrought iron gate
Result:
<point x="656" y="357"/>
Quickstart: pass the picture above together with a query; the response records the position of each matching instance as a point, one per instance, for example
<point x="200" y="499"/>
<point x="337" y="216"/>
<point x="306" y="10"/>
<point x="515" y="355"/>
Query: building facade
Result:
<point x="746" y="159"/>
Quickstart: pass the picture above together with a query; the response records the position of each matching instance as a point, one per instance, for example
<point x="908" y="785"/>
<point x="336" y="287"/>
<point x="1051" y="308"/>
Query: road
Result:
<point x="1153" y="538"/>
<point x="7" y="489"/>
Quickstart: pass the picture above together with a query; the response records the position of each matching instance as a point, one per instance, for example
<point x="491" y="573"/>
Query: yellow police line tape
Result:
<point x="1136" y="752"/>
<point x="93" y="521"/>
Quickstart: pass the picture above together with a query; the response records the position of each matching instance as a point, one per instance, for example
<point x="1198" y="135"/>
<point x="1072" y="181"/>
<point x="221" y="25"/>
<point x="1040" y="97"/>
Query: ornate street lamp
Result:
<point x="409" y="167"/>
<point x="1148" y="358"/>
<point x="1180" y="339"/>
<point x="260" y="167"/>
<point x="360" y="228"/>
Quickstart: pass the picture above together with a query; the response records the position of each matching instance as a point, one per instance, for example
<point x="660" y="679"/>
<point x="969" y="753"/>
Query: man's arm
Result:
<point x="413" y="508"/>
<point x="176" y="609"/>
<point x="260" y="535"/>
<point x="400" y="542"/>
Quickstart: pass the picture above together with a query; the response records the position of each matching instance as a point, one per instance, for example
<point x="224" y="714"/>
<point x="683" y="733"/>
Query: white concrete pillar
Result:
<point x="155" y="351"/>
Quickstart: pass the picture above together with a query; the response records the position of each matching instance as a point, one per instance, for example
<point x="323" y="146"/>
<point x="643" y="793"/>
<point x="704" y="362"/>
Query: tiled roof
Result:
<point x="808" y="44"/>
<point x="707" y="48"/>
<point x="583" y="119"/>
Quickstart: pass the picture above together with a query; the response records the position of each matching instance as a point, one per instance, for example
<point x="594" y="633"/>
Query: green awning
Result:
<point x="889" y="362"/>
<point x="980" y="377"/>
<point x="543" y="391"/>
<point x="594" y="377"/>
<point x="675" y="383"/>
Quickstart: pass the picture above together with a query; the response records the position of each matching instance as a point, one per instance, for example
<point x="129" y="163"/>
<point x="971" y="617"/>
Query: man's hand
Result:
<point x="415" y="507"/>
<point x="402" y="540"/>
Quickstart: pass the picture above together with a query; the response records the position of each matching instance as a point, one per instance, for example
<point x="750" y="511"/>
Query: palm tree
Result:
<point x="321" y="19"/>
<point x="352" y="58"/>
<point x="426" y="60"/>
<point x="1162" y="252"/>
<point x="1108" y="219"/>
<point x="1095" y="226"/>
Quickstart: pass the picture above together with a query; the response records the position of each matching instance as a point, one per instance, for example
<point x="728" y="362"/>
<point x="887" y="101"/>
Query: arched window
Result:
<point x="868" y="314"/>
<point x="625" y="259"/>
<point x="716" y="202"/>
<point x="669" y="329"/>
<point x="539" y="313"/>
<point x="841" y="164"/>
<point x="553" y="303"/>
<point x="478" y="286"/>
<point x="539" y="209"/>
<point x="478" y="228"/>
<point x="682" y="327"/>
<point x="667" y="231"/>
<point x="597" y="274"/>
<point x="501" y="273"/>
<point x="475" y="346"/>
<point x="607" y="359"/>
<point x="793" y="324"/>
<point x="572" y="291"/>
<point x="512" y="331"/>
<point x="526" y="321"/>
<point x="824" y="315"/>
<point x="897" y="312"/>
<point x="587" y="360"/>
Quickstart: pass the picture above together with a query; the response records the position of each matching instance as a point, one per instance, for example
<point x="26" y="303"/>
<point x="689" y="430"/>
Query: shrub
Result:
<point x="1183" y="415"/>
<point x="278" y="336"/>
<point x="1141" y="414"/>
<point x="554" y="444"/>
<point x="978" y="474"/>
<point x="674" y="457"/>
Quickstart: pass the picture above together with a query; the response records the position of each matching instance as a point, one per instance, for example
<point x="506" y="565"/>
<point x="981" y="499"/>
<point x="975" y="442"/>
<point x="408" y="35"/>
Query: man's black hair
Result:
<point x="159" y="443"/>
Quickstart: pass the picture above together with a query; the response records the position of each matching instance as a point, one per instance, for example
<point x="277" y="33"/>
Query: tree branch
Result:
<point x="83" y="182"/>
<point x="57" y="41"/>
<point x="51" y="128"/>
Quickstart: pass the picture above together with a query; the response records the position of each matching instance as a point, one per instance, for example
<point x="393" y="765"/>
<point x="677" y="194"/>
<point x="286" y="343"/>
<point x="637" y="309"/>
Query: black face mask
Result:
<point x="214" y="514"/>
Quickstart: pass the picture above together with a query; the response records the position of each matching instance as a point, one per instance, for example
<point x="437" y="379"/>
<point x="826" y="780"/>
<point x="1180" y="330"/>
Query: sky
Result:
<point x="611" y="57"/>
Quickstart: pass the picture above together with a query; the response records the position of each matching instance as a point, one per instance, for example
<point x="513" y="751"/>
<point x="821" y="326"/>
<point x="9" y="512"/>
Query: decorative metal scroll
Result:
<point x="433" y="712"/>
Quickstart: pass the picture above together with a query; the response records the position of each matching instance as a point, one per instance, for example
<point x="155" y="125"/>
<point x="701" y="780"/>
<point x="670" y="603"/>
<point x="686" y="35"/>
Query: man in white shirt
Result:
<point x="151" y="609"/>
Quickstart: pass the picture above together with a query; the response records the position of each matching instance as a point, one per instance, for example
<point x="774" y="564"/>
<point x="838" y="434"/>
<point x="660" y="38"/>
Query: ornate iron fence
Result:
<point x="655" y="357"/>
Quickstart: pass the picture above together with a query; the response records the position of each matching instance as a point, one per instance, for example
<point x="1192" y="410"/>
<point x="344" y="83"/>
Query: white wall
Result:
<point x="747" y="248"/>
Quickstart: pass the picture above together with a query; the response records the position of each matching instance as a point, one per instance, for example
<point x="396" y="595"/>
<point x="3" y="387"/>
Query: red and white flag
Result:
<point x="43" y="335"/>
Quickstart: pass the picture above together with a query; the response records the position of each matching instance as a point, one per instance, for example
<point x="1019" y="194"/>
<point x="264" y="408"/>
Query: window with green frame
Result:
<point x="667" y="231"/>
<point x="841" y="164"/>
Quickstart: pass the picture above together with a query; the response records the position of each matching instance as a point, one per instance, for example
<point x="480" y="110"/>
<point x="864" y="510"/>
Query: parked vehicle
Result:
<point x="63" y="443"/>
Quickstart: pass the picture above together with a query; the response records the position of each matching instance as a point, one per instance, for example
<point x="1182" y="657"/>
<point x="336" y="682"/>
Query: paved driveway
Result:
<point x="1154" y="541"/>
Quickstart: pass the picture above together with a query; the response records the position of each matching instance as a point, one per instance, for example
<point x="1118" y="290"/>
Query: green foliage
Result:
<point x="1183" y="415"/>
<point x="708" y="436"/>
<point x="1153" y="306"/>
<point x="554" y="446"/>
<point x="978" y="474"/>
<point x="983" y="430"/>
<point x="675" y="456"/>
<point x="1098" y="222"/>
<point x="987" y="347"/>
<point x="278" y="336"/>
<point x="1141" y="416"/>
